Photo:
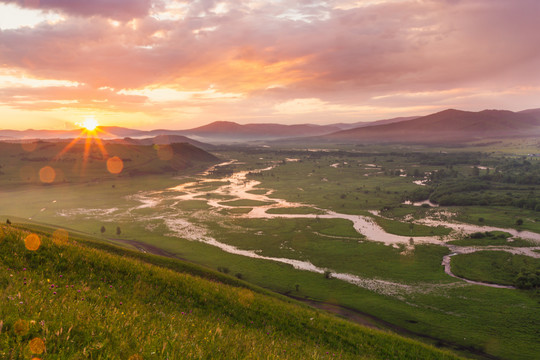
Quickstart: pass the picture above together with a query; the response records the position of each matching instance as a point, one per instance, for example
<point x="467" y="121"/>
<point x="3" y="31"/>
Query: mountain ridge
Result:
<point x="460" y="125"/>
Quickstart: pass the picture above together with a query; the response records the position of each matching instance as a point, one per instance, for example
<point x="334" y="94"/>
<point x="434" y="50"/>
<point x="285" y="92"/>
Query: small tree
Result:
<point x="8" y="222"/>
<point x="519" y="222"/>
<point x="118" y="231"/>
<point x="102" y="229"/>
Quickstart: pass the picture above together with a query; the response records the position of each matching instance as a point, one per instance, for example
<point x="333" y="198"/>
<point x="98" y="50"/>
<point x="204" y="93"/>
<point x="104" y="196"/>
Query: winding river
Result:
<point x="238" y="187"/>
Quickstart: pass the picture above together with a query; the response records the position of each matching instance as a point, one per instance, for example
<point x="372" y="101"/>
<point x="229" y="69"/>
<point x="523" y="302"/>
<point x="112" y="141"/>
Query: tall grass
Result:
<point x="67" y="300"/>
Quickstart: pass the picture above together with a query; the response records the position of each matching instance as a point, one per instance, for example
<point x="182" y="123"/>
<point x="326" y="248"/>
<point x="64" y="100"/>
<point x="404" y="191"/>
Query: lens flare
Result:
<point x="60" y="237"/>
<point x="37" y="346"/>
<point x="32" y="242"/>
<point x="21" y="327"/>
<point x="47" y="174"/>
<point x="115" y="165"/>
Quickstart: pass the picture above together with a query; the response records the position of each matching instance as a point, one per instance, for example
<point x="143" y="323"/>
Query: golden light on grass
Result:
<point x="115" y="165"/>
<point x="47" y="175"/>
<point x="32" y="242"/>
<point x="37" y="346"/>
<point x="21" y="327"/>
<point x="60" y="237"/>
<point x="28" y="174"/>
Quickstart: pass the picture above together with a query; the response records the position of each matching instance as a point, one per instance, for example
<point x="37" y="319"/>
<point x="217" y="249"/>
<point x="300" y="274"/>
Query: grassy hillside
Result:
<point x="73" y="298"/>
<point x="58" y="162"/>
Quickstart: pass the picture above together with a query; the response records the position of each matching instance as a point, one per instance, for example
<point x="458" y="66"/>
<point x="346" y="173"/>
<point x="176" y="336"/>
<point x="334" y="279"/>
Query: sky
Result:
<point x="171" y="64"/>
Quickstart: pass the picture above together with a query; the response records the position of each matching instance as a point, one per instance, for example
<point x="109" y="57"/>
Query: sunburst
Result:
<point x="89" y="123"/>
<point x="90" y="132"/>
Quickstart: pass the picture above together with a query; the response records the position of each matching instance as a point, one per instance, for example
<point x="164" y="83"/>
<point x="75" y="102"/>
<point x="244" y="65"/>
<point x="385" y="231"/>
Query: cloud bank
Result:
<point x="376" y="57"/>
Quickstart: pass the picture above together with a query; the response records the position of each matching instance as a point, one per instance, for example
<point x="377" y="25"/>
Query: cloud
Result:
<point x="117" y="9"/>
<point x="345" y="54"/>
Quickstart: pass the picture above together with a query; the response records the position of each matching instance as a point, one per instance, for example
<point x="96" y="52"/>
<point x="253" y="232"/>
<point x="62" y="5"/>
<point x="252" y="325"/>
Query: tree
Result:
<point x="519" y="222"/>
<point x="118" y="231"/>
<point x="102" y="229"/>
<point x="8" y="222"/>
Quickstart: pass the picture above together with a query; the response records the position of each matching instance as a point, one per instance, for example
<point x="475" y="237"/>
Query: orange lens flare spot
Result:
<point x="32" y="242"/>
<point x="164" y="152"/>
<point x="21" y="327"/>
<point x="115" y="165"/>
<point x="47" y="175"/>
<point x="60" y="237"/>
<point x="29" y="146"/>
<point x="37" y="346"/>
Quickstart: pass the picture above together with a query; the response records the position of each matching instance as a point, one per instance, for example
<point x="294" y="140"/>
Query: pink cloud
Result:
<point x="275" y="52"/>
<point x="117" y="9"/>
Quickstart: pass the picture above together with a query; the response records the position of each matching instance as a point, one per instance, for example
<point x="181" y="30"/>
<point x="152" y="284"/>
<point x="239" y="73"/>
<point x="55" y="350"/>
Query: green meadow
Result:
<point x="401" y="287"/>
<point x="71" y="298"/>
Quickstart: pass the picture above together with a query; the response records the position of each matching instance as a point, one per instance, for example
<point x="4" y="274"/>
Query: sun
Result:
<point x="90" y="123"/>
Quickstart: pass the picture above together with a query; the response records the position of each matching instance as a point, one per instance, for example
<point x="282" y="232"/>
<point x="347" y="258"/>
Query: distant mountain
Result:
<point x="449" y="125"/>
<point x="163" y="140"/>
<point x="347" y="126"/>
<point x="445" y="126"/>
<point x="231" y="131"/>
<point x="532" y="112"/>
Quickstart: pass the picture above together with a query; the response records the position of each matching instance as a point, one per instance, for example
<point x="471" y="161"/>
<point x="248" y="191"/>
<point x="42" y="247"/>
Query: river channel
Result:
<point x="239" y="187"/>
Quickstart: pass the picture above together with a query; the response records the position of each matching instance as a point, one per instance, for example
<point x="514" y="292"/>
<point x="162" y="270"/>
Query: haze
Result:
<point x="179" y="64"/>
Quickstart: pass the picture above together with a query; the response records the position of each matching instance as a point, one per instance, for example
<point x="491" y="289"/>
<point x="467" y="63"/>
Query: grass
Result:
<point x="491" y="238"/>
<point x="245" y="202"/>
<point x="69" y="300"/>
<point x="441" y="309"/>
<point x="296" y="210"/>
<point x="410" y="229"/>
<point x="499" y="216"/>
<point x="497" y="267"/>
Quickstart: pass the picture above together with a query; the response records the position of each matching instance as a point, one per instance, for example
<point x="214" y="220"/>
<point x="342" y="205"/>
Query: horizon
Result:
<point x="77" y="127"/>
<point x="164" y="64"/>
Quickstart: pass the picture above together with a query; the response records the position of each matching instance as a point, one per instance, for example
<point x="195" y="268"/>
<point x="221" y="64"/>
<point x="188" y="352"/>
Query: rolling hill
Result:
<point x="444" y="127"/>
<point x="163" y="140"/>
<point x="77" y="162"/>
<point x="70" y="297"/>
